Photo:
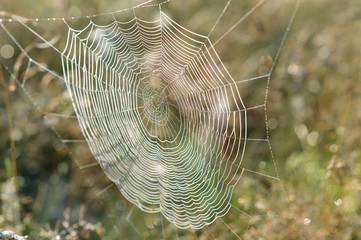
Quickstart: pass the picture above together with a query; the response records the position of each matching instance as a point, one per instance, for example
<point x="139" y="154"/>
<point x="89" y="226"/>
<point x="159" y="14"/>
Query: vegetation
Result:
<point x="313" y="112"/>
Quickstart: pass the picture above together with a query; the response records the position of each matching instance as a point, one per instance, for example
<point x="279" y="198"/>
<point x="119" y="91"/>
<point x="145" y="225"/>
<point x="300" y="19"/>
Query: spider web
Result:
<point x="161" y="114"/>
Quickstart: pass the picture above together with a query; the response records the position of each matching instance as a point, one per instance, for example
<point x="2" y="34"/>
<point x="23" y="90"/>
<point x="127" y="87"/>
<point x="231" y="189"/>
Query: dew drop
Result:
<point x="37" y="19"/>
<point x="307" y="221"/>
<point x="338" y="202"/>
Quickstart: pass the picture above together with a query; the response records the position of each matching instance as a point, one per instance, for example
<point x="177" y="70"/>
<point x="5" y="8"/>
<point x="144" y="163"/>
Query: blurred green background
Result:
<point x="314" y="117"/>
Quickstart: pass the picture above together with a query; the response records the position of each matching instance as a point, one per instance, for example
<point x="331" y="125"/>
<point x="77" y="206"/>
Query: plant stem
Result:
<point x="11" y="134"/>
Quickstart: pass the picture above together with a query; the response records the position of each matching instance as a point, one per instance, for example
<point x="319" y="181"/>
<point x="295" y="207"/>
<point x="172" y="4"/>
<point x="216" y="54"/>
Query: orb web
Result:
<point x="161" y="115"/>
<point x="160" y="112"/>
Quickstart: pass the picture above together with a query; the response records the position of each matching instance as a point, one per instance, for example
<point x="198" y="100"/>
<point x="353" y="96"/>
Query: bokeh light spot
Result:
<point x="7" y="51"/>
